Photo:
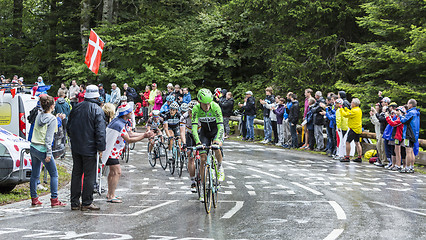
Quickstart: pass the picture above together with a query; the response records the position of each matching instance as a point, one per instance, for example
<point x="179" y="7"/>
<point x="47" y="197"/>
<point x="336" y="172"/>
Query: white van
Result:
<point x="14" y="112"/>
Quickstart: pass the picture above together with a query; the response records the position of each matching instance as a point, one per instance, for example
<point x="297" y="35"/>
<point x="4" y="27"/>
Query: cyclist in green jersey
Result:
<point x="209" y="114"/>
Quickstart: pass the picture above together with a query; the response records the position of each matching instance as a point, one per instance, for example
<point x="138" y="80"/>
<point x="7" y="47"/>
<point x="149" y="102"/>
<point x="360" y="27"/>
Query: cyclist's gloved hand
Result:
<point x="199" y="146"/>
<point x="184" y="146"/>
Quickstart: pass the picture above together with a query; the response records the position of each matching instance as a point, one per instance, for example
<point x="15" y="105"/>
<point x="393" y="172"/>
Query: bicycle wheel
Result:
<point x="207" y="189"/>
<point x="162" y="155"/>
<point x="172" y="163"/>
<point x="123" y="154"/>
<point x="198" y="177"/>
<point x="132" y="146"/>
<point x="127" y="146"/>
<point x="215" y="181"/>
<point x="154" y="153"/>
<point x="181" y="163"/>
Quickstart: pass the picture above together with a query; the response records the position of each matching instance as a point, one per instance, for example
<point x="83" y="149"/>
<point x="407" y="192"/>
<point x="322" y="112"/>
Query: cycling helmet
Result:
<point x="184" y="107"/>
<point x="192" y="104"/>
<point x="170" y="98"/>
<point x="174" y="105"/>
<point x="156" y="112"/>
<point x="205" y="96"/>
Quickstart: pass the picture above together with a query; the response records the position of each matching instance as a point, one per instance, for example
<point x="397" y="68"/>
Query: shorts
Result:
<point x="112" y="161"/>
<point x="190" y="142"/>
<point x="207" y="137"/>
<point x="407" y="143"/>
<point x="176" y="130"/>
<point x="352" y="136"/>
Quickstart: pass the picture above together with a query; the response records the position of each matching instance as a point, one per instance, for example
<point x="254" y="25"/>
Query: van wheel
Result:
<point x="6" y="189"/>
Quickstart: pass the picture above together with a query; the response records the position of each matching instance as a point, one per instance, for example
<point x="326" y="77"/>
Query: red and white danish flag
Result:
<point x="94" y="52"/>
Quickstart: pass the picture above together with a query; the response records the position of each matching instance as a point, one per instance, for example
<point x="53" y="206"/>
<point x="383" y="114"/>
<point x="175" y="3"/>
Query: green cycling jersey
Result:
<point x="210" y="121"/>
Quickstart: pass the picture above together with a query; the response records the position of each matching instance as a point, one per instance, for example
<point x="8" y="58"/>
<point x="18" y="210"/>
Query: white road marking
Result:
<point x="230" y="213"/>
<point x="334" y="234"/>
<point x="231" y="177"/>
<point x="225" y="193"/>
<point x="266" y="173"/>
<point x="250" y="187"/>
<point x="400" y="208"/>
<point x="251" y="193"/>
<point x="152" y="208"/>
<point x="338" y="209"/>
<point x="307" y="188"/>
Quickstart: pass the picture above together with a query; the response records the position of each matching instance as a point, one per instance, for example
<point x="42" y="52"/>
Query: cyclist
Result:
<point x="171" y="124"/>
<point x="154" y="123"/>
<point x="166" y="106"/>
<point x="188" y="139"/>
<point x="210" y="116"/>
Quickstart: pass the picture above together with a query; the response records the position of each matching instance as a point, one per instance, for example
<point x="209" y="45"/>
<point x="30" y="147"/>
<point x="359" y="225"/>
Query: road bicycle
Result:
<point x="211" y="182"/>
<point x="195" y="153"/>
<point x="175" y="161"/>
<point x="126" y="153"/>
<point x="159" y="151"/>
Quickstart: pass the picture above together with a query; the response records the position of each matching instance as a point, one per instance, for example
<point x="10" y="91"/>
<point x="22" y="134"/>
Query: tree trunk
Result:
<point x="53" y="23"/>
<point x="18" y="6"/>
<point x="108" y="9"/>
<point x="84" y="23"/>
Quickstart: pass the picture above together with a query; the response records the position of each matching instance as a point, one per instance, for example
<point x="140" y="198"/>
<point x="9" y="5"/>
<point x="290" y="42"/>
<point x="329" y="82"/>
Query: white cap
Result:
<point x="249" y="93"/>
<point x="92" y="91"/>
<point x="40" y="78"/>
<point x="169" y="85"/>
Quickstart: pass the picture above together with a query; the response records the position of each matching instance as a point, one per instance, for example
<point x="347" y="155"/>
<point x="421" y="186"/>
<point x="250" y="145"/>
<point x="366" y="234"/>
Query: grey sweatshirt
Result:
<point x="44" y="129"/>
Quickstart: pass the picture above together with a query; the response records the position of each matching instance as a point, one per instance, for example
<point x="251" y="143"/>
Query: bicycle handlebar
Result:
<point x="203" y="147"/>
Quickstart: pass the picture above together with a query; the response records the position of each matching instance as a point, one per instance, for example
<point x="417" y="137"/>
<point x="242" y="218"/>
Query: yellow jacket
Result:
<point x="341" y="122"/>
<point x="354" y="119"/>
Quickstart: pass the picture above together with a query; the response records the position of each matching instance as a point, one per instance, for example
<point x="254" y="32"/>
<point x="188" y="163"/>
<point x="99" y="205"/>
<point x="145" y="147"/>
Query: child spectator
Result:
<point x="279" y="112"/>
<point x="397" y="136"/>
<point x="158" y="102"/>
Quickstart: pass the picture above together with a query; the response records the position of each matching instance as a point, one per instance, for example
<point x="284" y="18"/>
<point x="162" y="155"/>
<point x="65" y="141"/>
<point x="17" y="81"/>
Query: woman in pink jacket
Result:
<point x="158" y="101"/>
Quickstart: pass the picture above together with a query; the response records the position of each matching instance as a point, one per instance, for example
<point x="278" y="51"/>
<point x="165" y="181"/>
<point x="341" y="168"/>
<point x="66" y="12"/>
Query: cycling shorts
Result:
<point x="176" y="130"/>
<point x="190" y="142"/>
<point x="207" y="137"/>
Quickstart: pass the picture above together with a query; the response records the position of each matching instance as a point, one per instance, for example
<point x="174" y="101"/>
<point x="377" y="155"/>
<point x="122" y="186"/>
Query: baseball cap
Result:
<point x="249" y="93"/>
<point x="401" y="108"/>
<point x="393" y="104"/>
<point x="170" y="85"/>
<point x="154" y="84"/>
<point x="339" y="101"/>
<point x="21" y="79"/>
<point x="100" y="85"/>
<point x="40" y="78"/>
<point x="92" y="91"/>
<point x="386" y="99"/>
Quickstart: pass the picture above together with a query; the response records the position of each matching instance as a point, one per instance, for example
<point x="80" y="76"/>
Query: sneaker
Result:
<point x="403" y="170"/>
<point x="345" y="159"/>
<point x="193" y="188"/>
<point x="303" y="146"/>
<point x="285" y="146"/>
<point x="201" y="198"/>
<point x="388" y="166"/>
<point x="264" y="141"/>
<point x="410" y="170"/>
<point x="54" y="202"/>
<point x="379" y="164"/>
<point x="35" y="202"/>
<point x="221" y="174"/>
<point x="73" y="208"/>
<point x="358" y="159"/>
<point x="277" y="144"/>
<point x="394" y="168"/>
<point x="92" y="207"/>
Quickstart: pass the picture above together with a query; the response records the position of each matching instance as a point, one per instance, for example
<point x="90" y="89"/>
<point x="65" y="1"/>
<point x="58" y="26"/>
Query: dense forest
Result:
<point x="360" y="46"/>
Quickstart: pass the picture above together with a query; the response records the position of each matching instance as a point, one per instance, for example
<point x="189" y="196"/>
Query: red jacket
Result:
<point x="398" y="127"/>
<point x="145" y="98"/>
<point x="138" y="111"/>
<point x="80" y="96"/>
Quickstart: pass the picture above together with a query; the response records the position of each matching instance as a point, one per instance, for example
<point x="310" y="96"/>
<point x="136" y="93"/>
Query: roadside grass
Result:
<point x="22" y="191"/>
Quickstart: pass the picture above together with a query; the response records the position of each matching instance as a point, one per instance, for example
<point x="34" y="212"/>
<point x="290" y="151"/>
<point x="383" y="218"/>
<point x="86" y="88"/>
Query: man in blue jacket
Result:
<point x="410" y="134"/>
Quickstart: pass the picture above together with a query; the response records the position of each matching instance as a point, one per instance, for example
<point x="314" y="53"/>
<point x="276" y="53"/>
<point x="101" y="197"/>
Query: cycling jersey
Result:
<point x="172" y="121"/>
<point x="154" y="124"/>
<point x="211" y="122"/>
<point x="186" y="121"/>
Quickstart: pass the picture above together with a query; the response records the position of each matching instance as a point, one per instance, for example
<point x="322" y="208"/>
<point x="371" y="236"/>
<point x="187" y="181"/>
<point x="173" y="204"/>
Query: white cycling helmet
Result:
<point x="174" y="105"/>
<point x="192" y="104"/>
<point x="156" y="112"/>
<point x="184" y="107"/>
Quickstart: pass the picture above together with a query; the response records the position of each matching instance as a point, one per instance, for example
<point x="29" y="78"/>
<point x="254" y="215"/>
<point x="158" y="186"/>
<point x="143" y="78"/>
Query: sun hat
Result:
<point x="249" y="93"/>
<point x="92" y="91"/>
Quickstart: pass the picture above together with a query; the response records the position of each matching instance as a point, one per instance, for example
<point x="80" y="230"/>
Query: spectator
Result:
<point x="158" y="101"/>
<point x="102" y="92"/>
<point x="286" y="124"/>
<point x="131" y="95"/>
<point x="293" y="118"/>
<point x="186" y="96"/>
<point x="145" y="104"/>
<point x="39" y="80"/>
<point x="86" y="129"/>
<point x="80" y="95"/>
<point x="62" y="106"/>
<point x="178" y="94"/>
<point x="398" y="127"/>
<point x="355" y="125"/>
<point x="267" y="126"/>
<point x="65" y="89"/>
<point x="279" y="113"/>
<point x="319" y="121"/>
<point x="310" y="124"/>
<point x="2" y="78"/>
<point x="387" y="136"/>
<point x="41" y="151"/>
<point x="308" y="95"/>
<point x="342" y="95"/>
<point x="73" y="92"/>
<point x="331" y="127"/>
<point x="109" y="111"/>
<point x="152" y="97"/>
<point x="376" y="113"/>
<point x="117" y="135"/>
<point x="411" y="132"/>
<point x="170" y="90"/>
<point x="217" y="94"/>
<point x="21" y="81"/>
<point x="138" y="111"/>
<point x="115" y="94"/>
<point x="273" y="117"/>
<point x="249" y="107"/>
<point x="227" y="106"/>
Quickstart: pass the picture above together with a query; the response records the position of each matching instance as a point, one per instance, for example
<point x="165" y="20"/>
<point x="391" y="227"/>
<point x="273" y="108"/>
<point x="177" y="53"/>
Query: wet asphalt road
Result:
<point x="268" y="193"/>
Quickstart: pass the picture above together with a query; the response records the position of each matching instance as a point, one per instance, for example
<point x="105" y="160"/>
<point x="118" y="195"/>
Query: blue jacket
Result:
<point x="165" y="108"/>
<point x="411" y="122"/>
<point x="310" y="119"/>
<point x="387" y="134"/>
<point x="331" y="115"/>
<point x="186" y="98"/>
<point x="287" y="110"/>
